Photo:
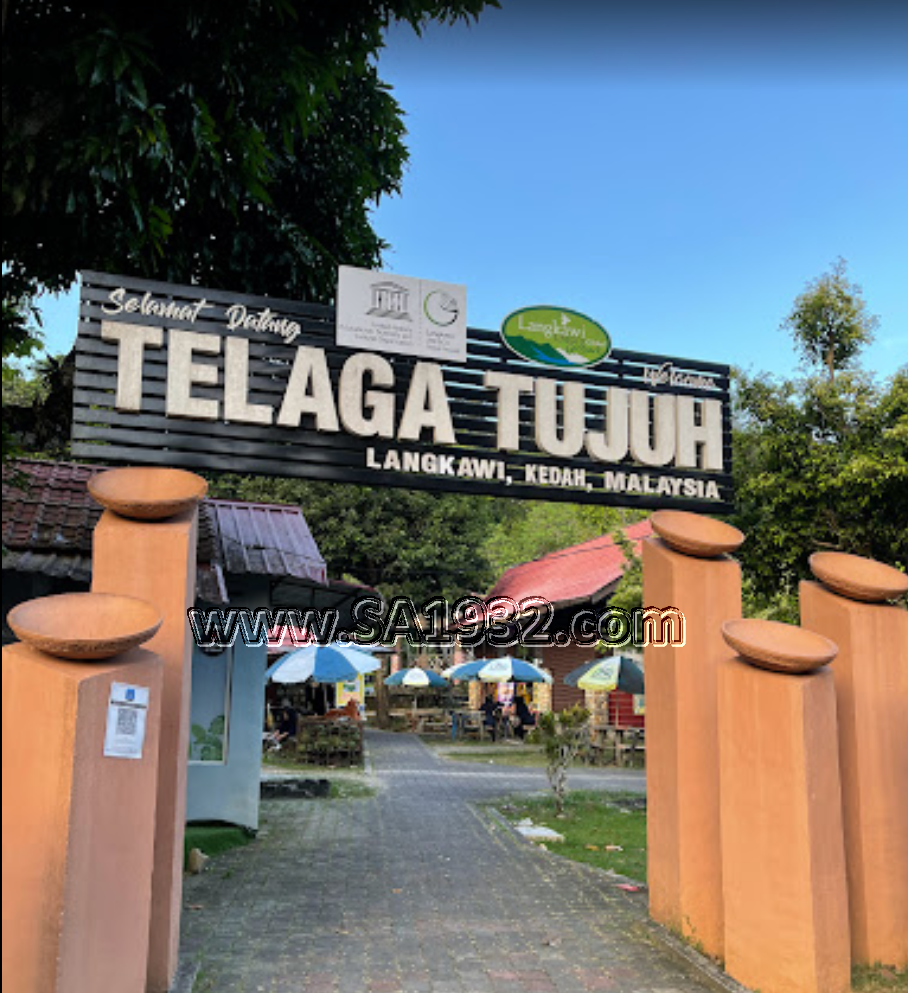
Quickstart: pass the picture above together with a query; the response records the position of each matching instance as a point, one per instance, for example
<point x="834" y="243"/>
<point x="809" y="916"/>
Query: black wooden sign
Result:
<point x="206" y="379"/>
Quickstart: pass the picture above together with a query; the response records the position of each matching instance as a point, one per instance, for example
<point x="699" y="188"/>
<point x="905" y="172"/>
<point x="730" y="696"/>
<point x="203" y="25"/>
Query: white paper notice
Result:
<point x="382" y="312"/>
<point x="126" y="714"/>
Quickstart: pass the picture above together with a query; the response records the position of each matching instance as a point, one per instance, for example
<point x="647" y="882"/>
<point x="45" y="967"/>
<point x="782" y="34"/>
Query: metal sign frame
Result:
<point x="140" y="430"/>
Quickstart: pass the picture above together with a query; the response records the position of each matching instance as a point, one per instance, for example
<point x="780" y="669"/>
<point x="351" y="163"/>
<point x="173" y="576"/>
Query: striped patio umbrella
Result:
<point x="616" y="672"/>
<point x="416" y="678"/>
<point x="334" y="663"/>
<point x="502" y="670"/>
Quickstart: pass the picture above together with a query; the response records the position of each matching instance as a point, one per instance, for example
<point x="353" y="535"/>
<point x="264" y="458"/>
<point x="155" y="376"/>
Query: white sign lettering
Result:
<point x="667" y="375"/>
<point x="377" y="391"/>
<point x="679" y="430"/>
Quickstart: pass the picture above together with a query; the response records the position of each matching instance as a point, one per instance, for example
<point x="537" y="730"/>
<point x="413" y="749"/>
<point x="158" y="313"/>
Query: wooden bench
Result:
<point x="434" y="725"/>
<point x="618" y="739"/>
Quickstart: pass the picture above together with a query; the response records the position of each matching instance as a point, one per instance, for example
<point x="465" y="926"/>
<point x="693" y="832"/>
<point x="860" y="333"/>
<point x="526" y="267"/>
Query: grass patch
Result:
<point x="878" y="979"/>
<point x="203" y="983"/>
<point x="522" y="754"/>
<point x="525" y="756"/>
<point x="346" y="782"/>
<point x="350" y="789"/>
<point x="290" y="760"/>
<point x="593" y="820"/>
<point x="490" y="755"/>
<point x="281" y="760"/>
<point x="214" y="839"/>
<point x="446" y="741"/>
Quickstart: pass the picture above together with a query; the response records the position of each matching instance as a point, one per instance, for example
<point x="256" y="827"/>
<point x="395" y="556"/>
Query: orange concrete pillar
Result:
<point x="783" y="858"/>
<point x="682" y="765"/>
<point x="78" y="822"/>
<point x="155" y="558"/>
<point x="871" y="684"/>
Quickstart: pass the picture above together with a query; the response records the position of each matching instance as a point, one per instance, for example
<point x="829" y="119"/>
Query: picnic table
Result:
<point x="623" y="740"/>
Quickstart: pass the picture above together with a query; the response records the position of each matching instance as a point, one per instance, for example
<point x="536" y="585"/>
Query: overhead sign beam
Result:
<point x="205" y="379"/>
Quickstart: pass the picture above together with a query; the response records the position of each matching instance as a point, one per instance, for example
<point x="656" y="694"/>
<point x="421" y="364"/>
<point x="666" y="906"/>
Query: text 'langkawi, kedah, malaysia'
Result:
<point x="392" y="388"/>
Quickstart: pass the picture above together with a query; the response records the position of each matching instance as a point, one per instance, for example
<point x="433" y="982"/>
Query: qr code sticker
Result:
<point x="127" y="721"/>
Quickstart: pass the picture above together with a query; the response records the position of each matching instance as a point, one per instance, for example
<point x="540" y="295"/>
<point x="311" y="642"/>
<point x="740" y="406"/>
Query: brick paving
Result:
<point x="416" y="891"/>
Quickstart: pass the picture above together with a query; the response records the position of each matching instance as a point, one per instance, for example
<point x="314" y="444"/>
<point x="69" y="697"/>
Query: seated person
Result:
<point x="287" y="725"/>
<point x="525" y="716"/>
<point x="491" y="714"/>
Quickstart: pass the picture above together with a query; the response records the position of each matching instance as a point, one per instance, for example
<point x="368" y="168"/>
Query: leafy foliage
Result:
<point x="829" y="320"/>
<point x="530" y="529"/>
<point x="403" y="542"/>
<point x="235" y="145"/>
<point x="230" y="145"/>
<point x="21" y="339"/>
<point x="819" y="464"/>
<point x="562" y="737"/>
<point x="207" y="744"/>
<point x="37" y="407"/>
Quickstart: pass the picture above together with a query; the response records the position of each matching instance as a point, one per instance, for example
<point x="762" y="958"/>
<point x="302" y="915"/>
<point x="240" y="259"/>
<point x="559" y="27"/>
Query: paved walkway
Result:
<point x="415" y="890"/>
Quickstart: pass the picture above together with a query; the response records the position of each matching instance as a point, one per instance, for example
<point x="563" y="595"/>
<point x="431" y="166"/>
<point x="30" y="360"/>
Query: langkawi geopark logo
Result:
<point x="555" y="336"/>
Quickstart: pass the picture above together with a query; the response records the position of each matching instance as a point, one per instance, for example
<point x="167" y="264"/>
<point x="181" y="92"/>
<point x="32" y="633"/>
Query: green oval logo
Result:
<point x="555" y="336"/>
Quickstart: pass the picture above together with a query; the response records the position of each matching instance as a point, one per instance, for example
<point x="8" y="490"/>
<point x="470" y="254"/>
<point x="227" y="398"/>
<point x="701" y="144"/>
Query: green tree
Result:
<point x="37" y="406"/>
<point x="530" y="529"/>
<point x="231" y="145"/>
<point x="235" y="145"/>
<point x="829" y="321"/>
<point x="402" y="542"/>
<point x="562" y="737"/>
<point x="819" y="464"/>
<point x="21" y="339"/>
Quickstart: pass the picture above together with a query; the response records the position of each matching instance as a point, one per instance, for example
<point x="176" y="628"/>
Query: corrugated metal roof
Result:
<point x="579" y="574"/>
<point x="49" y="517"/>
<point x="47" y="508"/>
<point x="267" y="539"/>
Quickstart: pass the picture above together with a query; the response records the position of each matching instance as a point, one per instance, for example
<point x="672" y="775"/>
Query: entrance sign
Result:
<point x="402" y="315"/>
<point x="197" y="378"/>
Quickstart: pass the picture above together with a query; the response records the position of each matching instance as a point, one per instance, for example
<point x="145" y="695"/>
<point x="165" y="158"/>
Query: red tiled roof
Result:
<point x="51" y="511"/>
<point x="581" y="573"/>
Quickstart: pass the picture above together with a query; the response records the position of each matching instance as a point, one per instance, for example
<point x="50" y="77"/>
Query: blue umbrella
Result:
<point x="415" y="677"/>
<point x="501" y="670"/>
<point x="333" y="663"/>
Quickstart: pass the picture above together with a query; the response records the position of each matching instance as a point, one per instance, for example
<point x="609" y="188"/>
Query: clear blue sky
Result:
<point x="677" y="171"/>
